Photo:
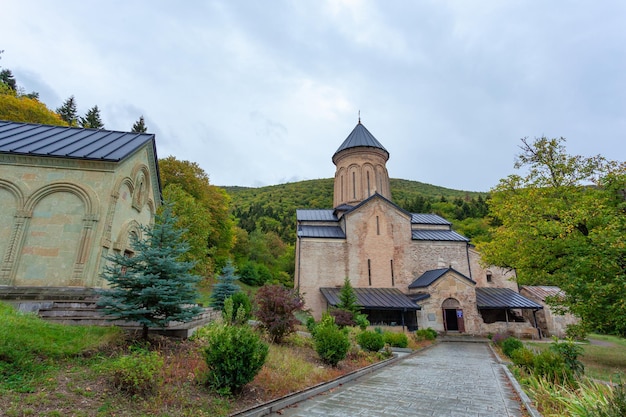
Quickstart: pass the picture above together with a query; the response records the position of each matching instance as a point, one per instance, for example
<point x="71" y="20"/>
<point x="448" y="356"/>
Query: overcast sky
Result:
<point x="264" y="92"/>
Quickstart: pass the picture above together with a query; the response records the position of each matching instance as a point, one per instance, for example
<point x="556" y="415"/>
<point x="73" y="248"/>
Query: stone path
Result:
<point x="449" y="379"/>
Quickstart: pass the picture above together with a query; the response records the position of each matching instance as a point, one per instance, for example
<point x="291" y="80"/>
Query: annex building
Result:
<point x="408" y="269"/>
<point x="70" y="196"/>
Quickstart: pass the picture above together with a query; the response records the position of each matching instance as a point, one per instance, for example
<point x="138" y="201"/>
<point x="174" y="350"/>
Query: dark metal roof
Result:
<point x="374" y="298"/>
<point x="420" y="218"/>
<point x="496" y="298"/>
<point x="441" y="235"/>
<point x="334" y="232"/>
<point x="343" y="207"/>
<point x="433" y="275"/>
<point x="69" y="142"/>
<point x="418" y="297"/>
<point x="316" y="215"/>
<point x="360" y="137"/>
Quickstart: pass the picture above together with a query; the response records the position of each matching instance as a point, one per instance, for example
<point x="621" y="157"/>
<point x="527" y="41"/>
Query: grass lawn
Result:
<point x="55" y="370"/>
<point x="604" y="356"/>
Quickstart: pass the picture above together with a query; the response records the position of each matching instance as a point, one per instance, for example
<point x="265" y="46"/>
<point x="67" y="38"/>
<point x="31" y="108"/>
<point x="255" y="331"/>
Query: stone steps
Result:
<point x="78" y="306"/>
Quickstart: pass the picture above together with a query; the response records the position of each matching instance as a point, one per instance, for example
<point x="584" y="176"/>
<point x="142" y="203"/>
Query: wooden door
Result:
<point x="460" y="321"/>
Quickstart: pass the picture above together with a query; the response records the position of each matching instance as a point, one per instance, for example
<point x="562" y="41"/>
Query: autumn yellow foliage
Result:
<point x="23" y="109"/>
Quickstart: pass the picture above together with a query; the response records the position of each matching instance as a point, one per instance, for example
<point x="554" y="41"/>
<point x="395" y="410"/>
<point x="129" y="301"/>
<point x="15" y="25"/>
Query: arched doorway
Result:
<point x="453" y="320"/>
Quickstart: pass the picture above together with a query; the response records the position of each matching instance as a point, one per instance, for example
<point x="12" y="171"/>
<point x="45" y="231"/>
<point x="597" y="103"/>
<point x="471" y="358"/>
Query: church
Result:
<point x="407" y="269"/>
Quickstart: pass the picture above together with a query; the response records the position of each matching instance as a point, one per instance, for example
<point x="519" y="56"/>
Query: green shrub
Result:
<point x="523" y="357"/>
<point x="577" y="331"/>
<point x="361" y="321"/>
<point x="241" y="300"/>
<point x="425" y="334"/>
<point x="570" y="352"/>
<point x="331" y="344"/>
<point x="433" y="332"/>
<point x="234" y="355"/>
<point x="370" y="341"/>
<point x="551" y="366"/>
<point x="310" y="324"/>
<point x="138" y="373"/>
<point x="510" y="344"/>
<point x="398" y="340"/>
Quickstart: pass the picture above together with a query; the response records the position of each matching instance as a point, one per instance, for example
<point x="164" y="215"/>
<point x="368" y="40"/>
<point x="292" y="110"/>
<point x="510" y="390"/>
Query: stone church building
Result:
<point x="408" y="269"/>
<point x="70" y="196"/>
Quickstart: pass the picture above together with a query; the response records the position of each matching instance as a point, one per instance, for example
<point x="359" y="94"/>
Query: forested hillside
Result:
<point x="273" y="208"/>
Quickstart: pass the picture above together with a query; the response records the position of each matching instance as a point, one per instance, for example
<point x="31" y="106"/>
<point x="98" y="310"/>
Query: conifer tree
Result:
<point x="68" y="111"/>
<point x="152" y="287"/>
<point x="347" y="298"/>
<point x="139" y="126"/>
<point x="92" y="119"/>
<point x="7" y="78"/>
<point x="225" y="286"/>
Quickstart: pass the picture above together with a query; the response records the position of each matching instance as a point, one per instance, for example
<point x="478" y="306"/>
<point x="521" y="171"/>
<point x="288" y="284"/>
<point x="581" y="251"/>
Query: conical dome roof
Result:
<point x="360" y="137"/>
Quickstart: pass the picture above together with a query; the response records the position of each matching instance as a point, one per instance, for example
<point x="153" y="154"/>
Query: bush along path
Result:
<point x="555" y="380"/>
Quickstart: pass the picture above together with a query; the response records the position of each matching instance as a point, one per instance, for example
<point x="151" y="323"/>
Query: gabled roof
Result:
<point x="360" y="137"/>
<point x="420" y="218"/>
<point x="374" y="298"/>
<point x="429" y="277"/>
<point x="439" y="235"/>
<point x="376" y="195"/>
<point x="69" y="142"/>
<point x="498" y="298"/>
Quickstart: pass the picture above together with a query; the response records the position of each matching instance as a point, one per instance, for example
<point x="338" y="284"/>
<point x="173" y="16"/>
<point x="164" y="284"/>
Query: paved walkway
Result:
<point x="449" y="379"/>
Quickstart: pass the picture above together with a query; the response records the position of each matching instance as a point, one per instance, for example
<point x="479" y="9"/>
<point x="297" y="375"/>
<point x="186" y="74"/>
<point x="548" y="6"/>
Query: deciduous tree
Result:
<point x="564" y="224"/>
<point x="213" y="201"/>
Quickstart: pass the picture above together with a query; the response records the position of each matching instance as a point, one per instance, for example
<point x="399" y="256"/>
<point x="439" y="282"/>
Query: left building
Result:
<point x="71" y="196"/>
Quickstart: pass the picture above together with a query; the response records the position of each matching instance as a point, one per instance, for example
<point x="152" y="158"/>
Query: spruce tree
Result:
<point x="347" y="298"/>
<point x="68" y="111"/>
<point x="92" y="119"/>
<point x="7" y="78"/>
<point x="139" y="126"/>
<point x="152" y="287"/>
<point x="225" y="286"/>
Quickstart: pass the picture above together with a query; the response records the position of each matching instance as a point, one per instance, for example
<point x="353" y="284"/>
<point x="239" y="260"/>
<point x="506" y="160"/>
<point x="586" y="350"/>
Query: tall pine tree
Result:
<point x="92" y="119"/>
<point x="347" y="298"/>
<point x="68" y="111"/>
<point x="225" y="286"/>
<point x="139" y="126"/>
<point x="152" y="287"/>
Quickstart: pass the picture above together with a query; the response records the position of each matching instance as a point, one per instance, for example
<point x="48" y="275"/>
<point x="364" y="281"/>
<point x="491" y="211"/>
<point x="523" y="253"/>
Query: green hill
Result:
<point x="273" y="208"/>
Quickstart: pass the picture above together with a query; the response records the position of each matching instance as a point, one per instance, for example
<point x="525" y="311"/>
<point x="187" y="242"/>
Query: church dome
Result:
<point x="360" y="137"/>
<point x="361" y="168"/>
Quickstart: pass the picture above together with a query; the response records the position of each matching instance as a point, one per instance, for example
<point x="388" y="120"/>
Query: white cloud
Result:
<point x="258" y="93"/>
